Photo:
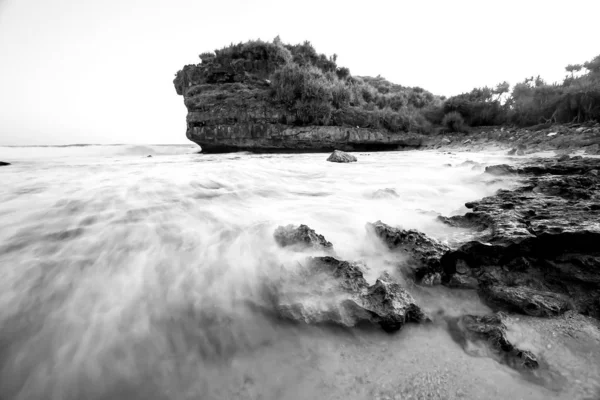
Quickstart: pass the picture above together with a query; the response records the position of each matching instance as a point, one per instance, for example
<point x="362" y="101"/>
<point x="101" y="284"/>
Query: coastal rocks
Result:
<point x="300" y="238"/>
<point x="539" y="254"/>
<point x="423" y="252"/>
<point x="329" y="291"/>
<point x="525" y="300"/>
<point x="492" y="331"/>
<point x="3" y="164"/>
<point x="501" y="169"/>
<point x="341" y="157"/>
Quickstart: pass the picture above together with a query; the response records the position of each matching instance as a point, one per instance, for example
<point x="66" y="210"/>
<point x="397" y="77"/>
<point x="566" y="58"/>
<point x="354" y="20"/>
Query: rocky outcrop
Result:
<point x="300" y="238"/>
<point x="3" y="164"/>
<point x="329" y="291"/>
<point x="537" y="252"/>
<point x="230" y="108"/>
<point x="423" y="253"/>
<point x="341" y="157"/>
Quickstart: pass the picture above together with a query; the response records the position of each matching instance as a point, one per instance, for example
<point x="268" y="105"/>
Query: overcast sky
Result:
<point x="101" y="71"/>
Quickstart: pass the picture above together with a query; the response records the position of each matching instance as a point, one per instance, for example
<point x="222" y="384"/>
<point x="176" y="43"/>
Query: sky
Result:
<point x="101" y="71"/>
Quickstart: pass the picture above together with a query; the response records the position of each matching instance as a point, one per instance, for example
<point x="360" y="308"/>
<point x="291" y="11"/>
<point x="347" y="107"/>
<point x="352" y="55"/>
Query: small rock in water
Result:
<point x="149" y="155"/>
<point x="301" y="237"/>
<point x="341" y="157"/>
<point x="3" y="164"/>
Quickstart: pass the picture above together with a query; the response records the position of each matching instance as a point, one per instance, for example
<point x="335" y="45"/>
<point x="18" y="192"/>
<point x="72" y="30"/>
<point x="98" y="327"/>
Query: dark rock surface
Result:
<point x="539" y="248"/>
<point x="300" y="238"/>
<point x="341" y="157"/>
<point x="3" y="164"/>
<point x="491" y="330"/>
<point x="423" y="252"/>
<point x="329" y="291"/>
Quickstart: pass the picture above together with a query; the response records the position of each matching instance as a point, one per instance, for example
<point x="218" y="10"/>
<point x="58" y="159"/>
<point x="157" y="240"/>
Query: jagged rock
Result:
<point x="300" y="237"/>
<point x="539" y="253"/>
<point x="424" y="253"/>
<point x="341" y="157"/>
<point x="491" y="330"/>
<point x="526" y="300"/>
<point x="328" y="290"/>
<point x="3" y="164"/>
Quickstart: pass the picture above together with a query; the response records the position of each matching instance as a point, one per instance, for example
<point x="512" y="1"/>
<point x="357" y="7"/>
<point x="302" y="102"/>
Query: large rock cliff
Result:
<point x="230" y="108"/>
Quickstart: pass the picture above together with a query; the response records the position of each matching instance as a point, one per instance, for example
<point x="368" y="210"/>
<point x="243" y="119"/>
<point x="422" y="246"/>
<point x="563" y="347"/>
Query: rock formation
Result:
<point x="3" y="164"/>
<point x="538" y="250"/>
<point x="491" y="330"/>
<point x="329" y="291"/>
<point x="230" y="108"/>
<point x="423" y="252"/>
<point x="300" y="238"/>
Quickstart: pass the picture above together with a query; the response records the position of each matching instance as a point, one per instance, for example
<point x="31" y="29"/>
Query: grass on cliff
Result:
<point x="316" y="91"/>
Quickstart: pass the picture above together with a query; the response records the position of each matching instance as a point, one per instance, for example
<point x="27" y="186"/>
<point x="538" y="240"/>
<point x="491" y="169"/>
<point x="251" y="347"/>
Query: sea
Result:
<point x="135" y="272"/>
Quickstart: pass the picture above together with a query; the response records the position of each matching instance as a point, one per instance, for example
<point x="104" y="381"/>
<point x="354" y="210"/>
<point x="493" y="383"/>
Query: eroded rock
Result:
<point x="341" y="157"/>
<point x="526" y="300"/>
<point x="539" y="253"/>
<point x="326" y="290"/>
<point x="300" y="238"/>
<point x="491" y="330"/>
<point x="423" y="252"/>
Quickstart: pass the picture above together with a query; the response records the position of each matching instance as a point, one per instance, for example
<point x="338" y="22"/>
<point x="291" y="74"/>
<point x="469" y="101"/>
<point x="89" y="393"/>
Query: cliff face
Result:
<point x="230" y="108"/>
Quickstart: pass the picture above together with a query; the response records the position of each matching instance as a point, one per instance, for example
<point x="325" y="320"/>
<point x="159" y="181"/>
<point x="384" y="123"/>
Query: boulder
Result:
<point x="3" y="164"/>
<point x="423" y="252"/>
<point x="300" y="238"/>
<point x="341" y="157"/>
<point x="330" y="291"/>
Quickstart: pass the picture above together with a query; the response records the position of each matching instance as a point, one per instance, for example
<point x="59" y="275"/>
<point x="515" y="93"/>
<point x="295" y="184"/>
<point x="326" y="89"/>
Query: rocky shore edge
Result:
<point x="534" y="258"/>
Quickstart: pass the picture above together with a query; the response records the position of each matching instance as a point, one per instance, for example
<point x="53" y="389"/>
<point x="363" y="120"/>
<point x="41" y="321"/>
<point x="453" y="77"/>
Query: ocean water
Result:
<point x="124" y="276"/>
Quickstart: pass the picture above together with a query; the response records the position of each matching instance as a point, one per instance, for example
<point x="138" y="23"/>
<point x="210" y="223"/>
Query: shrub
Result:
<point x="454" y="122"/>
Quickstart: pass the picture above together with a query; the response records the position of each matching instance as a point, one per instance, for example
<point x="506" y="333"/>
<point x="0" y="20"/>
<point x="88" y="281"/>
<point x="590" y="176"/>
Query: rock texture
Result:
<point x="329" y="291"/>
<point x="491" y="330"/>
<point x="520" y="141"/>
<point x="341" y="157"/>
<point x="538" y="252"/>
<point x="300" y="238"/>
<point x="423" y="252"/>
<point x="230" y="108"/>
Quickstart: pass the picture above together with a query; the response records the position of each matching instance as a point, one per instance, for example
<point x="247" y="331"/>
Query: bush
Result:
<point x="454" y="122"/>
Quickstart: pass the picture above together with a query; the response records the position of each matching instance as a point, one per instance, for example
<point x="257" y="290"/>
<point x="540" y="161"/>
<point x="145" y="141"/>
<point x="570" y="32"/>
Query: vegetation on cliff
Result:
<point x="534" y="101"/>
<point x="314" y="90"/>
